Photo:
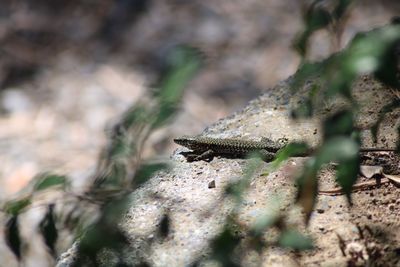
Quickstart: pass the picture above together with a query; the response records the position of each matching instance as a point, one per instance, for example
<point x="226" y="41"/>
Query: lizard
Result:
<point x="205" y="148"/>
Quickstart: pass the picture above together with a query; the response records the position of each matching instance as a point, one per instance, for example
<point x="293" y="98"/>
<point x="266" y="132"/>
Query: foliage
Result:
<point x="115" y="178"/>
<point x="374" y="53"/>
<point x="120" y="170"/>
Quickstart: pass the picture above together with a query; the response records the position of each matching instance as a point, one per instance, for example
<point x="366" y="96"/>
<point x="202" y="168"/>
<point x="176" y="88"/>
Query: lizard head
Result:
<point x="185" y="140"/>
<point x="283" y="141"/>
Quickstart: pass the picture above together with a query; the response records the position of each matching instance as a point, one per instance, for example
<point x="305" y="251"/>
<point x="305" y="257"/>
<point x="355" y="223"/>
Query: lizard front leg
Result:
<point x="267" y="155"/>
<point x="193" y="156"/>
<point x="207" y="156"/>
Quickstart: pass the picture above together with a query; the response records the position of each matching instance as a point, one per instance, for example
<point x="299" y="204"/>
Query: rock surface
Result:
<point x="198" y="212"/>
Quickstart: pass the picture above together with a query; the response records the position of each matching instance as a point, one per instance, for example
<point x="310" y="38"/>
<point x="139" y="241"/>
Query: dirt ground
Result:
<point x="55" y="121"/>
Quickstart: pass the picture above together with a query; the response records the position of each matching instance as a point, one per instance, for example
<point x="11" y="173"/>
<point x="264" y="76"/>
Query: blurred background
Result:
<point x="69" y="68"/>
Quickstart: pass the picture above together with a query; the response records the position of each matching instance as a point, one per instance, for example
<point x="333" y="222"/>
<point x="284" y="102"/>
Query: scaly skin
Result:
<point x="205" y="148"/>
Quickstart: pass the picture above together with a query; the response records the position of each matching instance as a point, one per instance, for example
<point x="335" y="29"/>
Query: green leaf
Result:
<point x="185" y="63"/>
<point x="15" y="207"/>
<point x="337" y="149"/>
<point x="295" y="240"/>
<point x="340" y="123"/>
<point x="237" y="188"/>
<point x="12" y="236"/>
<point x="307" y="184"/>
<point x="303" y="110"/>
<point x="223" y="247"/>
<point x="264" y="222"/>
<point x="100" y="235"/>
<point x="305" y="72"/>
<point x="395" y="104"/>
<point x="347" y="173"/>
<point x="47" y="180"/>
<point x="49" y="231"/>
<point x="375" y="52"/>
<point x="341" y="8"/>
<point x="146" y="171"/>
<point x="315" y="18"/>
<point x="291" y="150"/>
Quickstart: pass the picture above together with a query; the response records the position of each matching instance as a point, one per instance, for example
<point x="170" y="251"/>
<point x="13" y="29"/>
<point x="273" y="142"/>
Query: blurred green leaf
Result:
<point x="386" y="109"/>
<point x="346" y="174"/>
<point x="264" y="222"/>
<point x="398" y="141"/>
<point x="341" y="8"/>
<point x="307" y="184"/>
<point x="12" y="236"/>
<point x="374" y="52"/>
<point x="99" y="236"/>
<point x="120" y="148"/>
<point x="337" y="149"/>
<point x="136" y="115"/>
<point x="304" y="74"/>
<point x="315" y="18"/>
<point x="291" y="150"/>
<point x="237" y="188"/>
<point x="295" y="240"/>
<point x="341" y="123"/>
<point x="303" y="110"/>
<point x="15" y="207"/>
<point x="49" y="231"/>
<point x="47" y="180"/>
<point x="114" y="176"/>
<point x="146" y="171"/>
<point x="223" y="247"/>
<point x="186" y="62"/>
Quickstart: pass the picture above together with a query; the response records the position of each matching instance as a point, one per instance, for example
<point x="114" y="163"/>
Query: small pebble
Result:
<point x="320" y="210"/>
<point x="211" y="184"/>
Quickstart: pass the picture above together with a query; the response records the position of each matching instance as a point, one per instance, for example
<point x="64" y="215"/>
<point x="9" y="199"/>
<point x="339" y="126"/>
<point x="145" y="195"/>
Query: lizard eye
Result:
<point x="283" y="141"/>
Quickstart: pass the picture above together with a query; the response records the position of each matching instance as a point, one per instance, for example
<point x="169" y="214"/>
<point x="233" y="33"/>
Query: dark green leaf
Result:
<point x="386" y="109"/>
<point x="303" y="110"/>
<point x="340" y="124"/>
<point x="47" y="180"/>
<point x="146" y="171"/>
<point x="295" y="240"/>
<point x="315" y="18"/>
<point x="398" y="141"/>
<point x="185" y="64"/>
<point x="48" y="230"/>
<point x="136" y="115"/>
<point x="291" y="150"/>
<point x="306" y="72"/>
<point x="223" y="247"/>
<point x="120" y="147"/>
<point x="346" y="174"/>
<point x="307" y="184"/>
<point x="388" y="72"/>
<point x="15" y="207"/>
<point x="264" y="222"/>
<point x="237" y="188"/>
<point x="337" y="149"/>
<point x="99" y="236"/>
<point x="12" y="236"/>
<point x="341" y="8"/>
